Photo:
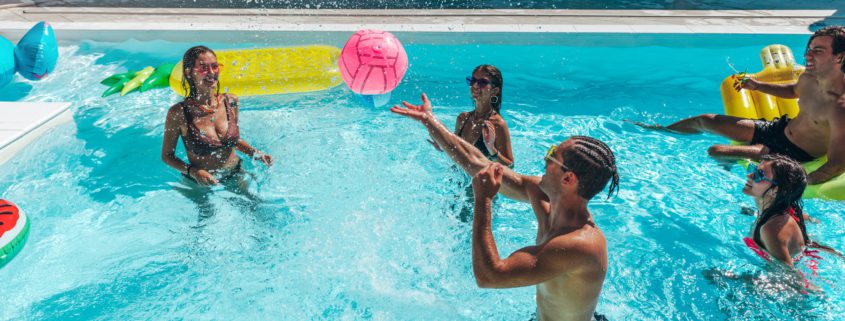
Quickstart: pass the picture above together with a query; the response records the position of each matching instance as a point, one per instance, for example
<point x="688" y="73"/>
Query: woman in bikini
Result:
<point x="779" y="231"/>
<point x="484" y="127"/>
<point x="207" y="122"/>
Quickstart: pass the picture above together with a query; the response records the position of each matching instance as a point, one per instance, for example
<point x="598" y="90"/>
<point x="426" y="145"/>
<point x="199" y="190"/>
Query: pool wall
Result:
<point x="74" y="23"/>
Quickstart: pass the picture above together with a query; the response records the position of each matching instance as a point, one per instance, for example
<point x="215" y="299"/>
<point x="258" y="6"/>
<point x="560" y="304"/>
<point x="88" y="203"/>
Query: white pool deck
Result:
<point x="21" y="123"/>
<point x="20" y="18"/>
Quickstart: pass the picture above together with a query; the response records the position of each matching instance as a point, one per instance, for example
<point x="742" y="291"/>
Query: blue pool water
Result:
<point x="358" y="216"/>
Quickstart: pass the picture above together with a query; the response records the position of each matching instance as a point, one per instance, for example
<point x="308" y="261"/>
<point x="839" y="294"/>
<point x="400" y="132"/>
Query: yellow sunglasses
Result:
<point x="550" y="157"/>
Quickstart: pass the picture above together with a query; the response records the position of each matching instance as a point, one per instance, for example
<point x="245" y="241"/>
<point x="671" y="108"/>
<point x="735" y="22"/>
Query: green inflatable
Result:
<point x="143" y="80"/>
<point x="833" y="189"/>
<point x="160" y="77"/>
<point x="14" y="229"/>
<point x="116" y="82"/>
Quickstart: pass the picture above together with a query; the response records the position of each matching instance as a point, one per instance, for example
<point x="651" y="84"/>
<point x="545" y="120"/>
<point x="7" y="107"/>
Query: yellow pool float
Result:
<point x="246" y="72"/>
<point x="778" y="67"/>
<point x="267" y="71"/>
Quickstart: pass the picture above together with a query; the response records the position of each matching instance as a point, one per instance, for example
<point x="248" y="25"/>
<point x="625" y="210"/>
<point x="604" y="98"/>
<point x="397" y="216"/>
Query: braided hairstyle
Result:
<point x="593" y="163"/>
<point x="495" y="80"/>
<point x="188" y="61"/>
<point x="838" y="44"/>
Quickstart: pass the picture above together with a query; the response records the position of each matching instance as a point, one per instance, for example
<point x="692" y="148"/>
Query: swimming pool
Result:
<point x="358" y="215"/>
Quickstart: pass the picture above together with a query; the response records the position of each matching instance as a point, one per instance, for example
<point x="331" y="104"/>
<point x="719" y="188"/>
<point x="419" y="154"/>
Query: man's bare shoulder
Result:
<point x="587" y="246"/>
<point x="807" y="85"/>
<point x="585" y="237"/>
<point x="807" y="79"/>
<point x="532" y="187"/>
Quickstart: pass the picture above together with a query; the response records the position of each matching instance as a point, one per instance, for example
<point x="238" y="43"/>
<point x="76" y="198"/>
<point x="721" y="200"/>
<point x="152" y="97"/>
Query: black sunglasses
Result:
<point x="482" y="82"/>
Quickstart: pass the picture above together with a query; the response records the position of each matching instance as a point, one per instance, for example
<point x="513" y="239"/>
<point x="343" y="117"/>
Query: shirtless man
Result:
<point x="569" y="261"/>
<point x="818" y="129"/>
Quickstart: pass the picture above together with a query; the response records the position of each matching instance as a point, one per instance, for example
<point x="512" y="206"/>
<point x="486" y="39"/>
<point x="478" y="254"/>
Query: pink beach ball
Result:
<point x="373" y="62"/>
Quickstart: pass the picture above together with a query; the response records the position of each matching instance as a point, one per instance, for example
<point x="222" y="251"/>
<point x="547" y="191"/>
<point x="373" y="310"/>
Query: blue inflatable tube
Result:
<point x="7" y="61"/>
<point x="37" y="52"/>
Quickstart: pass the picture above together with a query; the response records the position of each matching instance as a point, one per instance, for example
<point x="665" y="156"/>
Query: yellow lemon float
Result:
<point x="778" y="67"/>
<point x="267" y="71"/>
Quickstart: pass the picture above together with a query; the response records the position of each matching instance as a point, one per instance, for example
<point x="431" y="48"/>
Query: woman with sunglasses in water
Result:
<point x="779" y="231"/>
<point x="207" y="122"/>
<point x="484" y="127"/>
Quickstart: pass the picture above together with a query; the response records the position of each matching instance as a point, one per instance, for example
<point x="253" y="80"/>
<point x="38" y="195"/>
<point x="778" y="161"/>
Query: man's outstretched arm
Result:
<point x="788" y="91"/>
<point x="463" y="153"/>
<point x="836" y="149"/>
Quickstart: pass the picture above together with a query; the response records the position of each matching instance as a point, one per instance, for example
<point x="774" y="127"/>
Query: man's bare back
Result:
<point x="573" y="295"/>
<point x="568" y="263"/>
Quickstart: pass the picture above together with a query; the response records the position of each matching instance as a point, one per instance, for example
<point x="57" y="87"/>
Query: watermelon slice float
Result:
<point x="14" y="228"/>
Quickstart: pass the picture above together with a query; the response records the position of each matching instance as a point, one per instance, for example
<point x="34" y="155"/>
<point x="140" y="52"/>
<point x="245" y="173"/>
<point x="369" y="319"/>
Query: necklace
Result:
<point x="482" y="119"/>
<point x="206" y="108"/>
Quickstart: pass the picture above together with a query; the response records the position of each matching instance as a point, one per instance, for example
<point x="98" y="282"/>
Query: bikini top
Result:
<point x="812" y="264"/>
<point x="201" y="143"/>
<point x="756" y="234"/>
<point x="479" y="143"/>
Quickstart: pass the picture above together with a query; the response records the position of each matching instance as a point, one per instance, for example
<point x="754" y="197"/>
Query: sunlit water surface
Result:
<point x="358" y="218"/>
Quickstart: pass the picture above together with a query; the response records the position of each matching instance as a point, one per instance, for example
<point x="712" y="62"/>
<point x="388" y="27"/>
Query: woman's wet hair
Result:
<point x="495" y="80"/>
<point x="790" y="180"/>
<point x="593" y="163"/>
<point x="189" y="59"/>
<point x="838" y="44"/>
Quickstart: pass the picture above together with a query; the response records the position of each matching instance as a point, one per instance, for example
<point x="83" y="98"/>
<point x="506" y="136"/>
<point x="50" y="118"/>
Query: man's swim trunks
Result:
<point x="772" y="134"/>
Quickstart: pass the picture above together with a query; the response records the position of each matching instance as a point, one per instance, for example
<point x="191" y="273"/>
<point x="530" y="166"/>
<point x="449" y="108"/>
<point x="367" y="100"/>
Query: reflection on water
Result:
<point x="359" y="216"/>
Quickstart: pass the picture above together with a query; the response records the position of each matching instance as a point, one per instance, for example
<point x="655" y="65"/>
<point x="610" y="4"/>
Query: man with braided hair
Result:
<point x="568" y="263"/>
<point x="817" y="131"/>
